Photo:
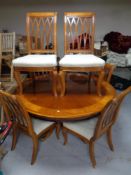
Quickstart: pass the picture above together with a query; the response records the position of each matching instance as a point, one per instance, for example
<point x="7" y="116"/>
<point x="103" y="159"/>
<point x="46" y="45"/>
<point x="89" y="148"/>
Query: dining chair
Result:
<point x="7" y="51"/>
<point x="41" y="30"/>
<point x="79" y="31"/>
<point x="35" y="128"/>
<point x="108" y="71"/>
<point x="92" y="129"/>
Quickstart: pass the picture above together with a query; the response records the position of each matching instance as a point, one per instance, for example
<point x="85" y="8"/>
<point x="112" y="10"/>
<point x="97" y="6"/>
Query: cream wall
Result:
<point x="111" y="15"/>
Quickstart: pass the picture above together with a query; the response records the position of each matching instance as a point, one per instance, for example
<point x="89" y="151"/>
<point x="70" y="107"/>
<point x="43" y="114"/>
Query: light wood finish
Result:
<point x="52" y="73"/>
<point x="106" y="120"/>
<point x="79" y="28"/>
<point x="74" y="106"/>
<point x="7" y="51"/>
<point x="41" y="31"/>
<point x="41" y="39"/>
<point x="14" y="110"/>
<point x="64" y="70"/>
<point x="108" y="71"/>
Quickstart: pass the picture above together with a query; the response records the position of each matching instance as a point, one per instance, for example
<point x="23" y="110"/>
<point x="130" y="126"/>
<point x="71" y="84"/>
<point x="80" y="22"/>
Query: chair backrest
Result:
<point x="41" y="32"/>
<point x="110" y="113"/>
<point x="108" y="69"/>
<point x="79" y="28"/>
<point x="15" y="111"/>
<point x="7" y="43"/>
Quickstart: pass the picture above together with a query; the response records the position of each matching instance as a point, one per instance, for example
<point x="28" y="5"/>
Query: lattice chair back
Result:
<point x="15" y="111"/>
<point x="109" y="115"/>
<point x="41" y="32"/>
<point x="79" y="28"/>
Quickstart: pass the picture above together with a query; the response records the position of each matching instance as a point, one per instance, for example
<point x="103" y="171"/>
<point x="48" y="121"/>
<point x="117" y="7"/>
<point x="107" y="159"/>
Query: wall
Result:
<point x="111" y="15"/>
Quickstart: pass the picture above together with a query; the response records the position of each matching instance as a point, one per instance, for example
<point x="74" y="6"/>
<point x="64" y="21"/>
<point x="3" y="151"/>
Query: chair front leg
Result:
<point x="35" y="149"/>
<point x="109" y="139"/>
<point x="62" y="82"/>
<point x="54" y="82"/>
<point x="99" y="82"/>
<point x="15" y="134"/>
<point x="91" y="152"/>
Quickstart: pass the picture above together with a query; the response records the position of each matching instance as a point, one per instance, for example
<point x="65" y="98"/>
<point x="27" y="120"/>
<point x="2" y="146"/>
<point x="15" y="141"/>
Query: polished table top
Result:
<point x="72" y="106"/>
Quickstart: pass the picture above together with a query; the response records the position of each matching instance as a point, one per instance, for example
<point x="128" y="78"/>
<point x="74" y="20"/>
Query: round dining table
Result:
<point x="70" y="107"/>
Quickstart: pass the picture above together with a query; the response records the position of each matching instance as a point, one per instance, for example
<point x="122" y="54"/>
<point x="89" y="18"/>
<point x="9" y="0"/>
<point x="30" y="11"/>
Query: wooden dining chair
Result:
<point x="42" y="48"/>
<point x="7" y="51"/>
<point x="79" y="31"/>
<point x="108" y="71"/>
<point x="92" y="129"/>
<point x="35" y="128"/>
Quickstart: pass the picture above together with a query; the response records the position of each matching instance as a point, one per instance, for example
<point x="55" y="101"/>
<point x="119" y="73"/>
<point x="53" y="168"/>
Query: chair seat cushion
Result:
<point x="40" y="125"/>
<point x="85" y="128"/>
<point x="35" y="61"/>
<point x="81" y="60"/>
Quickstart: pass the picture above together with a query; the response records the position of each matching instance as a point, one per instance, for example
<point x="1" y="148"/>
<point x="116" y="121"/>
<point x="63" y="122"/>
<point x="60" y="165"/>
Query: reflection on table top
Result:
<point x="70" y="107"/>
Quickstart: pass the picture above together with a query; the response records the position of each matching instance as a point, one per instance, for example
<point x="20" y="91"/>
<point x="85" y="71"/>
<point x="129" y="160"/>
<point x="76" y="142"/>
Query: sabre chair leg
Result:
<point x="54" y="83"/>
<point x="35" y="149"/>
<point x="62" y="82"/>
<point x="91" y="152"/>
<point x="99" y="83"/>
<point x="109" y="139"/>
<point x="15" y="133"/>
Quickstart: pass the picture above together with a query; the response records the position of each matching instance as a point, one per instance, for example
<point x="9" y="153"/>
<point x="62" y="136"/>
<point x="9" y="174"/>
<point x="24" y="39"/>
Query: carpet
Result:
<point x="120" y="83"/>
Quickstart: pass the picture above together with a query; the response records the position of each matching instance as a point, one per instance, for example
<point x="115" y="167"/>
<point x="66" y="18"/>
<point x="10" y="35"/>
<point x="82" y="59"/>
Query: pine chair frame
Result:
<point x="108" y="69"/>
<point x="7" y="50"/>
<point x="76" y="25"/>
<point x="14" y="110"/>
<point x="41" y="30"/>
<point x="104" y="124"/>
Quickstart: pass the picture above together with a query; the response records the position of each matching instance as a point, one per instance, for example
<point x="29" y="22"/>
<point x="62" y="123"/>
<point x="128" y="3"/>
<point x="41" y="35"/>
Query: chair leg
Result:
<point x="11" y="70"/>
<point x="54" y="82"/>
<point x="35" y="149"/>
<point x="64" y="135"/>
<point x="0" y="66"/>
<point x="91" y="152"/>
<point x="109" y="139"/>
<point x="14" y="136"/>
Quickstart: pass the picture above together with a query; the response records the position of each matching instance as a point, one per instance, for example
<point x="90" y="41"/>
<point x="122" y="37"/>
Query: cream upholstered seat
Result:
<point x="81" y="60"/>
<point x="92" y="129"/>
<point x="39" y="125"/>
<point x="79" y="40"/>
<point x="36" y="61"/>
<point x="41" y="41"/>
<point x="85" y="127"/>
<point x="35" y="128"/>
